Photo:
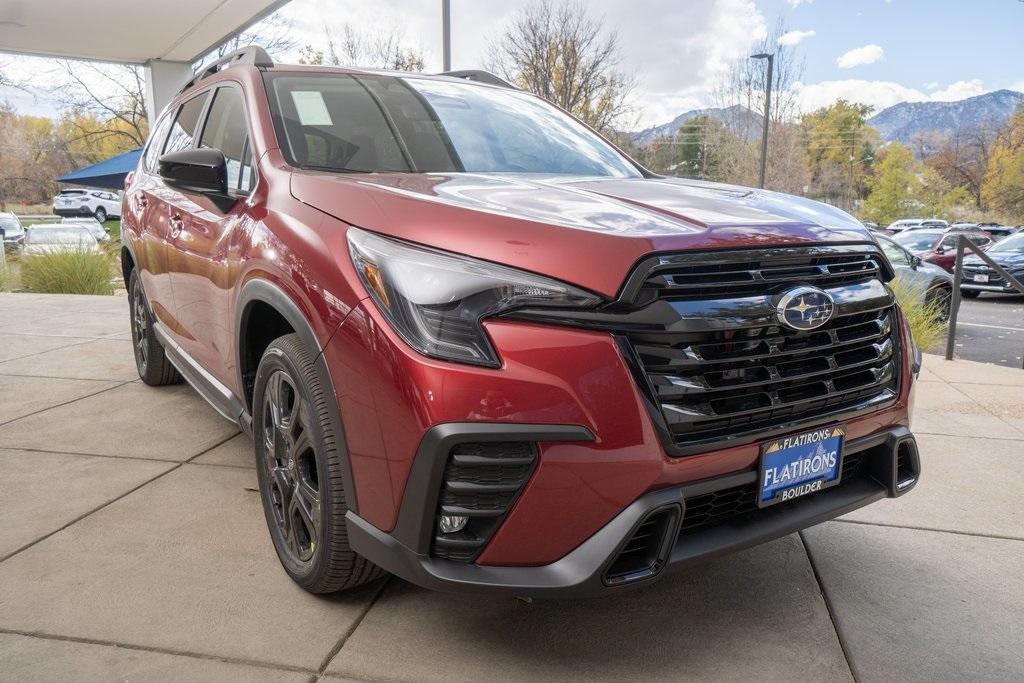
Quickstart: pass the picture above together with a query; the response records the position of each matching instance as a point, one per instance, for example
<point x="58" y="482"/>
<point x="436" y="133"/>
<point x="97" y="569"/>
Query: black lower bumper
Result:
<point x="890" y="468"/>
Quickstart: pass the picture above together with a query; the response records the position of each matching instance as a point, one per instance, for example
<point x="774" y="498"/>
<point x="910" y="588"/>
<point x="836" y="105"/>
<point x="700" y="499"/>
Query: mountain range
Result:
<point x="900" y="122"/>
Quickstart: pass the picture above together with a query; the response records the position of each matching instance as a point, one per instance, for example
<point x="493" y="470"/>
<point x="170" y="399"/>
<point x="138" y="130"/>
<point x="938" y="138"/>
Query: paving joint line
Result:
<point x="60" y="405"/>
<point x="83" y="341"/>
<point x="843" y="645"/>
<point x="975" y="534"/>
<point x="966" y="436"/>
<point x="96" y="509"/>
<point x="994" y="414"/>
<point x="74" y="379"/>
<point x="351" y="629"/>
<point x="43" y="635"/>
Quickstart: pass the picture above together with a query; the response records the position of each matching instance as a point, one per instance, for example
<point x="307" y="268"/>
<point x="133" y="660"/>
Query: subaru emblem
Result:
<point x="805" y="308"/>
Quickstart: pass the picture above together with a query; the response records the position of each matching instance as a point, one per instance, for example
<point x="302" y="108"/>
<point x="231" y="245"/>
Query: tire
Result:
<point x="942" y="298"/>
<point x="150" y="360"/>
<point x="970" y="293"/>
<point x="101" y="214"/>
<point x="299" y="466"/>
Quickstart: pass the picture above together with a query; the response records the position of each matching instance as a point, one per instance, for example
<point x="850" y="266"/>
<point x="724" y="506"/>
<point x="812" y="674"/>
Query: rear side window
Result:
<point x="184" y="127"/>
<point x="225" y="130"/>
<point x="156" y="141"/>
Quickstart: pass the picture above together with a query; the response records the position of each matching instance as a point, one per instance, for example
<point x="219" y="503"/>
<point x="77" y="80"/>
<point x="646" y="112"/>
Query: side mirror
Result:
<point x="915" y="261"/>
<point x="202" y="171"/>
<point x="940" y="250"/>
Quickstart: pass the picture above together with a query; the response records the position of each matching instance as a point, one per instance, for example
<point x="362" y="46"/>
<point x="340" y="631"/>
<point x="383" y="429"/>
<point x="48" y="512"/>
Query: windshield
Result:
<point x="1014" y="243"/>
<point x="59" y="236"/>
<point x="9" y="224"/>
<point x="377" y="123"/>
<point x="917" y="240"/>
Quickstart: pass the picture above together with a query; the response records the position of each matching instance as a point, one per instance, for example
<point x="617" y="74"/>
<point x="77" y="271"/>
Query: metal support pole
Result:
<point x="954" y="304"/>
<point x="767" y="114"/>
<point x="446" y="34"/>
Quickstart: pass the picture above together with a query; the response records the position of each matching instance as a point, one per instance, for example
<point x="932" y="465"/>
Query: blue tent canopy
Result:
<point x="107" y="174"/>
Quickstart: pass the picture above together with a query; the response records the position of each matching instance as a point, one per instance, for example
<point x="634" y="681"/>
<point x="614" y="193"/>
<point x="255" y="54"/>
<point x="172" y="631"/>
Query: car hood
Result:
<point x="582" y="230"/>
<point x="1006" y="259"/>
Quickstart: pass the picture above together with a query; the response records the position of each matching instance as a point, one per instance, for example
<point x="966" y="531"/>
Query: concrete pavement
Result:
<point x="133" y="547"/>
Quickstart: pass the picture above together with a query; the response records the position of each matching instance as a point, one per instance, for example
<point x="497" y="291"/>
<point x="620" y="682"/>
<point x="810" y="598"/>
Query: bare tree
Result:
<point x="564" y="55"/>
<point x="381" y="49"/>
<point x="273" y="34"/>
<point x="742" y="90"/>
<point x="104" y="101"/>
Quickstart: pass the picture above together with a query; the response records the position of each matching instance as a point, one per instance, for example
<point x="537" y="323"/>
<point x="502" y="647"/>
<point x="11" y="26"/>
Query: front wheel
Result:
<point x="942" y="300"/>
<point x="299" y="465"/>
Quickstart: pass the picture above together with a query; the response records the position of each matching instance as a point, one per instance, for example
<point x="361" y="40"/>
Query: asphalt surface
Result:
<point x="990" y="329"/>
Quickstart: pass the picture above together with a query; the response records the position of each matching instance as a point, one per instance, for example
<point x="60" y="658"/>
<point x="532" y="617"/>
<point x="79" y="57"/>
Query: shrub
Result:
<point x="925" y="318"/>
<point x="68" y="272"/>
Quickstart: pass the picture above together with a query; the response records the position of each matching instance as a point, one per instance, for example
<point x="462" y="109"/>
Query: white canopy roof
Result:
<point x="133" y="31"/>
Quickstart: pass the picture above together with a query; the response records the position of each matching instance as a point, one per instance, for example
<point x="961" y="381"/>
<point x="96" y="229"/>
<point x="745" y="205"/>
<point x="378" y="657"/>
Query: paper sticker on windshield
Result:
<point x="311" y="108"/>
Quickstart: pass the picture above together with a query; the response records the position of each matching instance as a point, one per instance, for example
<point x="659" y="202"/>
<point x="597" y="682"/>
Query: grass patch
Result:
<point x="68" y="272"/>
<point x="925" y="318"/>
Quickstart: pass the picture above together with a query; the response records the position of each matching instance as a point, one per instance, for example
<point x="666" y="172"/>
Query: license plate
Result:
<point x="797" y="465"/>
<point x="981" y="278"/>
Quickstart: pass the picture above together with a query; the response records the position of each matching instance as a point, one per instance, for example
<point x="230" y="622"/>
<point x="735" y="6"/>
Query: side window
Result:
<point x="184" y="127"/>
<point x="225" y="130"/>
<point x="896" y="255"/>
<point x="156" y="141"/>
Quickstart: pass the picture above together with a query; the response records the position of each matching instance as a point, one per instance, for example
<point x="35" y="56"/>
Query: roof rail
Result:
<point x="480" y="77"/>
<point x="253" y="54"/>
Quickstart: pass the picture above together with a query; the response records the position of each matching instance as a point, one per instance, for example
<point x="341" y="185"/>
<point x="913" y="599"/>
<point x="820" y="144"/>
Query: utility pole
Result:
<point x="446" y="34"/>
<point x="767" y="113"/>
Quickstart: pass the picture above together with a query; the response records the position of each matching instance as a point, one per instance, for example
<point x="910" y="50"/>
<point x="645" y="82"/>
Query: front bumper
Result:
<point x="890" y="467"/>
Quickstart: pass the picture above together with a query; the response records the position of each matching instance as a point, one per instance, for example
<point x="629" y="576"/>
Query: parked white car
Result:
<point x="50" y="238"/>
<point x="917" y="224"/>
<point x="99" y="204"/>
<point x="91" y="224"/>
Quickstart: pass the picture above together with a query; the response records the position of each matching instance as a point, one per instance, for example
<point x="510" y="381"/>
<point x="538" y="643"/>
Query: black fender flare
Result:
<point x="258" y="290"/>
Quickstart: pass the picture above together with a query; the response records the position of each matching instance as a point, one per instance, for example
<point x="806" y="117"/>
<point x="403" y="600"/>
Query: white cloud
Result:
<point x="797" y="3"/>
<point x="793" y="37"/>
<point x="960" y="90"/>
<point x="868" y="54"/>
<point x="880" y="94"/>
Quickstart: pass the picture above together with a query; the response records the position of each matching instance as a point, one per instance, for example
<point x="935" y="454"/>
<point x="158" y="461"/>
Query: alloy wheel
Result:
<point x="140" y="331"/>
<point x="290" y="465"/>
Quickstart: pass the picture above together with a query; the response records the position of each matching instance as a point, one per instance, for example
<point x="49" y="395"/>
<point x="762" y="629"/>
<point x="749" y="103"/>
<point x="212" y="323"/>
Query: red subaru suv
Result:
<point x="479" y="347"/>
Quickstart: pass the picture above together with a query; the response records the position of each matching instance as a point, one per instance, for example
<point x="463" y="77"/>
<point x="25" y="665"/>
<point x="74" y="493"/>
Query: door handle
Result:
<point x="176" y="224"/>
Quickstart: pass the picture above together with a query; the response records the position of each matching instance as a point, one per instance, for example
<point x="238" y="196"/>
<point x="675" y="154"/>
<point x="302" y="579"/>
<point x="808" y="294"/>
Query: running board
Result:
<point x="209" y="387"/>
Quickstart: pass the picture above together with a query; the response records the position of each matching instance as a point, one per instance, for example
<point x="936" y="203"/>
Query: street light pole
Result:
<point x="446" y="34"/>
<point x="767" y="113"/>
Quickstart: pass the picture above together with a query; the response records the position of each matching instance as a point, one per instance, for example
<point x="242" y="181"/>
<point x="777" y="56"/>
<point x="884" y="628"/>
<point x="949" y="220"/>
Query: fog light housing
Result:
<point x="451" y="524"/>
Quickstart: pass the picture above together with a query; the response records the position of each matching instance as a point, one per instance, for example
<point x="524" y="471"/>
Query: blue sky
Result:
<point x="927" y="45"/>
<point x="678" y="49"/>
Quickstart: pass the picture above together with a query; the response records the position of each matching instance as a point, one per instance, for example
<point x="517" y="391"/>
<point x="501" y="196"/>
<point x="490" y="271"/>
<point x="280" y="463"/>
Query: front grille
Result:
<point x="710" y="509"/>
<point x="480" y="481"/>
<point x="742" y="374"/>
<point x="674" y="277"/>
<point x="994" y="279"/>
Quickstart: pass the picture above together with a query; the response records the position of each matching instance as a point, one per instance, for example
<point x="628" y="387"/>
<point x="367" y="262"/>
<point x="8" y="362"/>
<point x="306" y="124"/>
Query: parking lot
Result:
<point x="133" y="547"/>
<point x="991" y="329"/>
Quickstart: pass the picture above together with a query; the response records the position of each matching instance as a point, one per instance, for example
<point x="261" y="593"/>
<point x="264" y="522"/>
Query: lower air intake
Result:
<point x="647" y="549"/>
<point x="481" y="482"/>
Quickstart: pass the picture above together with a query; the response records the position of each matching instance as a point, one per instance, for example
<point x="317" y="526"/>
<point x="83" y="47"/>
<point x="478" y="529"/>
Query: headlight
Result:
<point x="435" y="300"/>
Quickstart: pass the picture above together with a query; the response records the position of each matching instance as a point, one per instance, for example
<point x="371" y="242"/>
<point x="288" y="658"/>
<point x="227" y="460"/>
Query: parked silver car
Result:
<point x="56" y="237"/>
<point x="925" y="281"/>
<point x="11" y="231"/>
<point x="92" y="225"/>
